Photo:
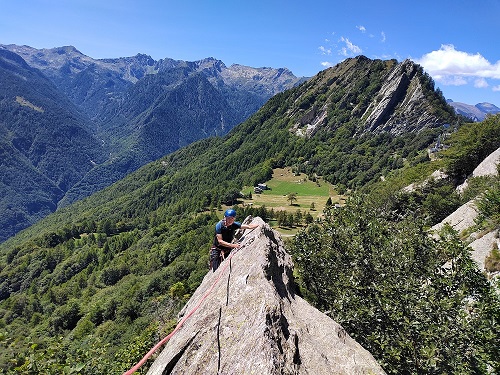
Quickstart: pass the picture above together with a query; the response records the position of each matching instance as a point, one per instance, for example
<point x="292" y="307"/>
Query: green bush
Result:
<point x="419" y="305"/>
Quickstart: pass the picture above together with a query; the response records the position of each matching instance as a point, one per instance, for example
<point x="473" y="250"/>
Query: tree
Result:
<point x="471" y="144"/>
<point x="177" y="290"/>
<point x="309" y="218"/>
<point x="383" y="280"/>
<point x="489" y="204"/>
<point x="298" y="217"/>
<point x="291" y="197"/>
<point x="329" y="202"/>
<point x="66" y="316"/>
<point x="281" y="218"/>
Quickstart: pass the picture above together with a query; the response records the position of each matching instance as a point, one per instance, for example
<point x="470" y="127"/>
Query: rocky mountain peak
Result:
<point x="246" y="319"/>
<point x="380" y="96"/>
<point x="402" y="103"/>
<point x="210" y="62"/>
<point x="66" y="49"/>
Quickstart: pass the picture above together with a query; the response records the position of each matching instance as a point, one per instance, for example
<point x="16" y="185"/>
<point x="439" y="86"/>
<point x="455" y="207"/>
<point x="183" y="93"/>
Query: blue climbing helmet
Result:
<point x="230" y="213"/>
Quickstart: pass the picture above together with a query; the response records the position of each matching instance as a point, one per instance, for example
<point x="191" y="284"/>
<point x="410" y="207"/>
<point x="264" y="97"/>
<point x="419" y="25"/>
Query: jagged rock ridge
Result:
<point x="399" y="108"/>
<point x="252" y="322"/>
<point x="378" y="96"/>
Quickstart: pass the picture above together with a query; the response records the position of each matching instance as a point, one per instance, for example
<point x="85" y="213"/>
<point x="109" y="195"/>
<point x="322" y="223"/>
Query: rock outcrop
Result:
<point x="399" y="107"/>
<point x="379" y="96"/>
<point x="488" y="167"/>
<point x="463" y="219"/>
<point x="248" y="320"/>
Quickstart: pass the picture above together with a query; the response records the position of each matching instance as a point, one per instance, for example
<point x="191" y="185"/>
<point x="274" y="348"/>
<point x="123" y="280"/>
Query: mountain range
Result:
<point x="476" y="112"/>
<point x="108" y="117"/>
<point x="72" y="125"/>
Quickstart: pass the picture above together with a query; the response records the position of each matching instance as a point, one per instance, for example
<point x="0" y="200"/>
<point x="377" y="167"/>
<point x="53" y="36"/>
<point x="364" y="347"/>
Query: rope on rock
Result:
<point x="179" y="325"/>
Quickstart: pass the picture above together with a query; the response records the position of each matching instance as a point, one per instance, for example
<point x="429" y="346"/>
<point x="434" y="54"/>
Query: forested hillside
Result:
<point x="91" y="287"/>
<point x="402" y="293"/>
<point x="84" y="123"/>
<point x="39" y="131"/>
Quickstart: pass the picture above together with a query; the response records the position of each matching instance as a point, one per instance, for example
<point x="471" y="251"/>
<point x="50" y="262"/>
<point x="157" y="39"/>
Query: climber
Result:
<point x="224" y="235"/>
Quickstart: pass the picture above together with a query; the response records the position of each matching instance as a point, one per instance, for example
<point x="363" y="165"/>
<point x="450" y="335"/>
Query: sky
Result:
<point x="456" y="42"/>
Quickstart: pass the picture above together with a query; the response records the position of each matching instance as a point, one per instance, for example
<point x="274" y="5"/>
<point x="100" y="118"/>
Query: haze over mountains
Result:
<point x="73" y="125"/>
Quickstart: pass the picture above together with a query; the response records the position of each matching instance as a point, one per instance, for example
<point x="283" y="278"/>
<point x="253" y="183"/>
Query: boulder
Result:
<point x="245" y="318"/>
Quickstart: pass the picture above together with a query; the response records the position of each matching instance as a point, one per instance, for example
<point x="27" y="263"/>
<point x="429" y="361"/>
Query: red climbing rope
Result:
<point x="179" y="325"/>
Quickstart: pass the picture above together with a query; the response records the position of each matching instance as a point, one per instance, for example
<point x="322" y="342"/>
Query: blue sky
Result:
<point x="457" y="42"/>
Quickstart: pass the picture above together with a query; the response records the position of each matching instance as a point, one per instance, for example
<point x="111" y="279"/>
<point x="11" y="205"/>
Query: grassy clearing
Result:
<point x="307" y="192"/>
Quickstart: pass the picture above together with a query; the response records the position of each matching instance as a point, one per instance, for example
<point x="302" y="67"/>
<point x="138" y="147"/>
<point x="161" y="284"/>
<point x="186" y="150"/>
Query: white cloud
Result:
<point x="450" y="67"/>
<point x="326" y="64"/>
<point x="361" y="28"/>
<point x="480" y="83"/>
<point x="448" y="62"/>
<point x="382" y="35"/>
<point x="448" y="80"/>
<point x="349" y="48"/>
<point x="324" y="50"/>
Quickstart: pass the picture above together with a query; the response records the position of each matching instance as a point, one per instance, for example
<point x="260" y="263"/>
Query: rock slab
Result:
<point x="248" y="320"/>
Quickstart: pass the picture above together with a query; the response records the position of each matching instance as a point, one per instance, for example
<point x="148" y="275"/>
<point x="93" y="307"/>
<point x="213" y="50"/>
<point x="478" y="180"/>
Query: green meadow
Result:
<point x="306" y="191"/>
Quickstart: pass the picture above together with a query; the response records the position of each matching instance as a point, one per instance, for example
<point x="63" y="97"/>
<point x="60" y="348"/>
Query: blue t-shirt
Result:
<point x="226" y="231"/>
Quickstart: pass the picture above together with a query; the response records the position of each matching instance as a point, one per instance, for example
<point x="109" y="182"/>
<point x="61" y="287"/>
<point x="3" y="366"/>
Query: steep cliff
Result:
<point x="401" y="104"/>
<point x="246" y="319"/>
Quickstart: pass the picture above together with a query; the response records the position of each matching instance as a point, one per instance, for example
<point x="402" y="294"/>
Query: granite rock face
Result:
<point x="375" y="96"/>
<point x="463" y="219"/>
<point x="400" y="108"/>
<point x="247" y="320"/>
